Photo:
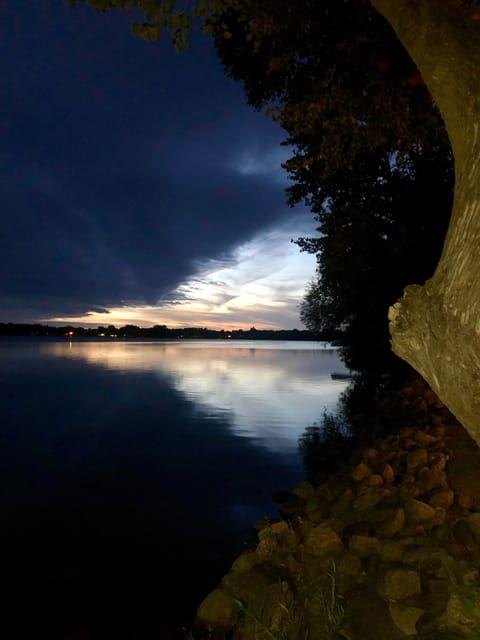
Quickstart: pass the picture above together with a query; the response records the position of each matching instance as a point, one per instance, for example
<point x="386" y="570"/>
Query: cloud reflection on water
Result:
<point x="270" y="391"/>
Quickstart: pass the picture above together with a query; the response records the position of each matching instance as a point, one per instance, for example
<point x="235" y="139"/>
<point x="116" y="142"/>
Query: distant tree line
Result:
<point x="159" y="331"/>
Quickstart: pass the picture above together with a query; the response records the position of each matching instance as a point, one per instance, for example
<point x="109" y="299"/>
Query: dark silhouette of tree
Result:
<point x="377" y="234"/>
<point x="434" y="327"/>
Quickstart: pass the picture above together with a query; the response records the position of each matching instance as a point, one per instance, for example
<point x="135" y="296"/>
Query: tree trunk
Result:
<point x="436" y="327"/>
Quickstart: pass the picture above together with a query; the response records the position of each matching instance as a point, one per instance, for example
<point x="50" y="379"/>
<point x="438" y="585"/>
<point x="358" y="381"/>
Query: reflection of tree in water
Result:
<point x="367" y="409"/>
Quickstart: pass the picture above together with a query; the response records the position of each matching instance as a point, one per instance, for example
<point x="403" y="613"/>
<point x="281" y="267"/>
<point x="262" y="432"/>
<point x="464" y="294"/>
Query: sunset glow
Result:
<point x="261" y="284"/>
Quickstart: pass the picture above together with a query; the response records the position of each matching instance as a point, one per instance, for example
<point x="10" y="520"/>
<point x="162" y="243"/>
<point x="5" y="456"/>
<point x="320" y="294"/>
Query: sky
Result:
<point x="136" y="184"/>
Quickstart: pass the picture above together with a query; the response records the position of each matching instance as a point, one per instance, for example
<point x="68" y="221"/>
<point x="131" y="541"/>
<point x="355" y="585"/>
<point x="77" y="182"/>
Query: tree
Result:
<point x="369" y="147"/>
<point x="434" y="327"/>
<point x="377" y="234"/>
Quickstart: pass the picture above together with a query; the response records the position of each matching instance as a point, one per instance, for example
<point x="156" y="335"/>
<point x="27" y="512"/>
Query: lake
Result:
<point x="132" y="472"/>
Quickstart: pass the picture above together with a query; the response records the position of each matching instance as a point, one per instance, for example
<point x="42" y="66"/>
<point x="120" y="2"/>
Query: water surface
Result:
<point x="132" y="467"/>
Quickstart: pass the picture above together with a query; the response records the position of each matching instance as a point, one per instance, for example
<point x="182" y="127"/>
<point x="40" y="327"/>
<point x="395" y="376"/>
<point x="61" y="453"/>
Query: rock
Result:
<point x="456" y="618"/>
<point x="424" y="439"/>
<point x="248" y="586"/>
<point x="363" y="546"/>
<point x="390" y="551"/>
<point x="316" y="515"/>
<point x="274" y="528"/>
<point x="305" y="491"/>
<point x="405" y="618"/>
<point x="417" y="511"/>
<point x="349" y="571"/>
<point x="398" y="583"/>
<point x="409" y="539"/>
<point x="343" y="502"/>
<point x="245" y="561"/>
<point x="438" y="519"/>
<point x="429" y="479"/>
<point x="375" y="480"/>
<point x="219" y="611"/>
<point x="409" y="443"/>
<point x="371" y="497"/>
<point x="317" y="503"/>
<point x="330" y="490"/>
<point x="474" y="524"/>
<point x="323" y="541"/>
<point x="464" y="477"/>
<point x="408" y="489"/>
<point x="458" y="572"/>
<point x="438" y="461"/>
<point x="391" y="525"/>
<point x="369" y="617"/>
<point x="388" y="474"/>
<point x="425" y="557"/>
<point x="442" y="498"/>
<point x="361" y="472"/>
<point x="415" y="458"/>
<point x="464" y="535"/>
<point x="369" y="453"/>
<point x="276" y="537"/>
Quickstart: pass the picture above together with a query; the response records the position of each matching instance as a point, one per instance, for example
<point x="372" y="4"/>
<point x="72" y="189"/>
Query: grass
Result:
<point x="316" y="612"/>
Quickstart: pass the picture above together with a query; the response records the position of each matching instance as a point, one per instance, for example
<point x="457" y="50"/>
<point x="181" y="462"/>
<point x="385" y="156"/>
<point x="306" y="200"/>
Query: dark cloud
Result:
<point x="124" y="165"/>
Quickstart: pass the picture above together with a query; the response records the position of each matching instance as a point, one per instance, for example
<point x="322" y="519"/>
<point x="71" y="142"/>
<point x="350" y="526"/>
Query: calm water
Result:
<point x="129" y="468"/>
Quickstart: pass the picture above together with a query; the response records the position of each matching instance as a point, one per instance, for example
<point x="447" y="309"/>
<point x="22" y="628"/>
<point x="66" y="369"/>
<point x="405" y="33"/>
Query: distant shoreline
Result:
<point x="160" y="332"/>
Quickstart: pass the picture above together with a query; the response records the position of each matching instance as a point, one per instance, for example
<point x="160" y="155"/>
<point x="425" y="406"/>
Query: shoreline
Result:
<point x="395" y="532"/>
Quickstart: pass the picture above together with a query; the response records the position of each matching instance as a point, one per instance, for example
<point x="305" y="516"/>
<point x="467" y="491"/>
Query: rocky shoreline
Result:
<point x="387" y="547"/>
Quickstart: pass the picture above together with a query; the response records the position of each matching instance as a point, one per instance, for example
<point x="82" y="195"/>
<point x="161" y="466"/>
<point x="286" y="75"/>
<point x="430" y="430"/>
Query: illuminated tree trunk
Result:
<point x="436" y="327"/>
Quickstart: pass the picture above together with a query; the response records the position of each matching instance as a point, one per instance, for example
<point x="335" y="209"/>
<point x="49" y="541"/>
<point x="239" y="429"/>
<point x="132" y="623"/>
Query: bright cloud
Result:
<point x="260" y="284"/>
